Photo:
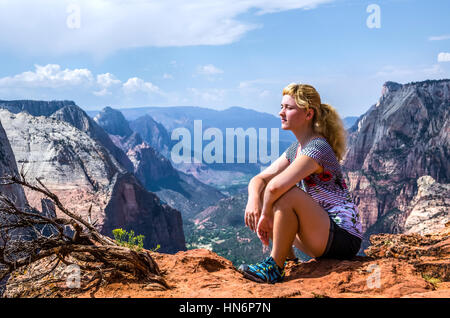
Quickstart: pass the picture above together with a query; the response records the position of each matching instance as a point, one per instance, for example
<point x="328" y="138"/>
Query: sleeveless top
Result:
<point x="328" y="188"/>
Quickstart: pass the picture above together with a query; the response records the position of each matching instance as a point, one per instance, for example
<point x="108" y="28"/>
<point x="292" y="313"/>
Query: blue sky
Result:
<point x="217" y="53"/>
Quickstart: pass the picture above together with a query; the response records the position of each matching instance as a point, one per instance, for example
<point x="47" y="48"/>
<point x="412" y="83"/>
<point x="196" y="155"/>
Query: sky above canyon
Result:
<point x="218" y="53"/>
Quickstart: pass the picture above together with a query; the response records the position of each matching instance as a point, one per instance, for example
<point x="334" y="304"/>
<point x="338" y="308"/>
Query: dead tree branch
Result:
<point x="69" y="241"/>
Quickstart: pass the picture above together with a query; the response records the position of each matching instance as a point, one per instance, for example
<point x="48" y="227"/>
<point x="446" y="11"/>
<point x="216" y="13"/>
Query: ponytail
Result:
<point x="326" y="121"/>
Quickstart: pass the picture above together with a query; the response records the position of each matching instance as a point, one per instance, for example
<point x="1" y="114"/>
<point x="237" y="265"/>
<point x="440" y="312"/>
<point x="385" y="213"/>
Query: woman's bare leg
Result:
<point x="297" y="242"/>
<point x="296" y="213"/>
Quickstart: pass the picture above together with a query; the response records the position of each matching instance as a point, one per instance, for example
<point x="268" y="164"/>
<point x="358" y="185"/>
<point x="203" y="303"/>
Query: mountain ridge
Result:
<point x="401" y="138"/>
<point x="83" y="173"/>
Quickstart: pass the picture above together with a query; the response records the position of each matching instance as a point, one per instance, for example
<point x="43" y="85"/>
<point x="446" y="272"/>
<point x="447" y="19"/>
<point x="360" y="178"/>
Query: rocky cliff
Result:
<point x="429" y="209"/>
<point x="14" y="192"/>
<point x="403" y="137"/>
<point x="132" y="207"/>
<point x="70" y="113"/>
<point x="82" y="171"/>
<point x="8" y="167"/>
<point x="153" y="133"/>
<point x="113" y="122"/>
<point x="180" y="190"/>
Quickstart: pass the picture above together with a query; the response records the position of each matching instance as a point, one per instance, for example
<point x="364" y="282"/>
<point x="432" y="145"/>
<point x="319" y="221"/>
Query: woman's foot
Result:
<point x="266" y="271"/>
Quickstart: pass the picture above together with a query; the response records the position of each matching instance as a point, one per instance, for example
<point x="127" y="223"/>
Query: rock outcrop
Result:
<point x="180" y="190"/>
<point x="403" y="137"/>
<point x="153" y="133"/>
<point x="132" y="207"/>
<point x="399" y="266"/>
<point x="419" y="268"/>
<point x="8" y="167"/>
<point x="70" y="113"/>
<point x="14" y="192"/>
<point x="113" y="122"/>
<point x="83" y="172"/>
<point x="429" y="208"/>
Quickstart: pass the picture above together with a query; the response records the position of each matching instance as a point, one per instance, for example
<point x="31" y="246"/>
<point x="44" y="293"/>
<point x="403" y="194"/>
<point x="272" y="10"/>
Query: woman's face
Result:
<point x="291" y="115"/>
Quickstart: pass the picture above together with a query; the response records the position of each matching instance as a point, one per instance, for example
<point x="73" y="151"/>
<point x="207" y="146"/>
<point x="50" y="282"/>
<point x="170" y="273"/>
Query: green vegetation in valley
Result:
<point x="236" y="243"/>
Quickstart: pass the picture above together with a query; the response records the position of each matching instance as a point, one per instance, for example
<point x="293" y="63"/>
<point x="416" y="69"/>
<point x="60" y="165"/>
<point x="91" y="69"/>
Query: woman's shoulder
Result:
<point x="291" y="151"/>
<point x="319" y="143"/>
<point x="320" y="149"/>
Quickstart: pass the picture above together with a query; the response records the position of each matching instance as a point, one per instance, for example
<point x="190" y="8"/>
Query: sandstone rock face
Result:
<point x="82" y="172"/>
<point x="403" y="137"/>
<point x="429" y="208"/>
<point x="153" y="133"/>
<point x="34" y="108"/>
<point x="113" y="122"/>
<point x="69" y="112"/>
<point x="14" y="192"/>
<point x="132" y="207"/>
<point x="150" y="166"/>
<point x="75" y="116"/>
<point x="8" y="166"/>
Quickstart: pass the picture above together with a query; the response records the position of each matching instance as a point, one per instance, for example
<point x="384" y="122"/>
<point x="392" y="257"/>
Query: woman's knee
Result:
<point x="284" y="201"/>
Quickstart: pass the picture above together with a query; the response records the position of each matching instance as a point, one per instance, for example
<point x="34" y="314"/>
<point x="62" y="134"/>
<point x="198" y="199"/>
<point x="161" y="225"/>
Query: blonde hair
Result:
<point x="326" y="120"/>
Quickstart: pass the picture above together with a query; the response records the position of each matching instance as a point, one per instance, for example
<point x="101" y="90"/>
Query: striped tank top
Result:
<point x="328" y="188"/>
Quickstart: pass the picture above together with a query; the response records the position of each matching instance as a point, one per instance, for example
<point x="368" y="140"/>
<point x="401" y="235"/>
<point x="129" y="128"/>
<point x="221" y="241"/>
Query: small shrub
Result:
<point x="128" y="239"/>
<point x="156" y="248"/>
<point x="432" y="280"/>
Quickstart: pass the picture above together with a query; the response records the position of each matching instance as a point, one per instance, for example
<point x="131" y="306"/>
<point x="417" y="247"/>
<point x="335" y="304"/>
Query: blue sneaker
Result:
<point x="266" y="271"/>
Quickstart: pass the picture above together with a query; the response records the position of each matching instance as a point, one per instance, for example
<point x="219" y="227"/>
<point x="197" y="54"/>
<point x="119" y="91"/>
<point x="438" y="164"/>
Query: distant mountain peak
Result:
<point x="113" y="122"/>
<point x="389" y="87"/>
<point x="35" y="107"/>
<point x="402" y="138"/>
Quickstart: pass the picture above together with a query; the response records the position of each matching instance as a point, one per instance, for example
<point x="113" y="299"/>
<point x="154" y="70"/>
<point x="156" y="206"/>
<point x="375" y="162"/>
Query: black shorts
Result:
<point x="341" y="244"/>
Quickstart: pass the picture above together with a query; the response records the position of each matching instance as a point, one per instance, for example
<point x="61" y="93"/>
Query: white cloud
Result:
<point x="50" y="76"/>
<point x="51" y="80"/>
<point x="208" y="95"/>
<point x="408" y="74"/>
<point x="102" y="92"/>
<point x="106" y="81"/>
<point x="135" y="84"/>
<point x="444" y="57"/>
<point x="209" y="70"/>
<point x="105" y="26"/>
<point x="167" y="76"/>
<point x="439" y="37"/>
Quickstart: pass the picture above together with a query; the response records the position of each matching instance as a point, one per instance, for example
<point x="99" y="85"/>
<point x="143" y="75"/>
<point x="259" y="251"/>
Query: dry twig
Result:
<point x="23" y="244"/>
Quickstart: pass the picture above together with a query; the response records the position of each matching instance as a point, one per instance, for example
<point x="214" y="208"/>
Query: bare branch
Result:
<point x="24" y="244"/>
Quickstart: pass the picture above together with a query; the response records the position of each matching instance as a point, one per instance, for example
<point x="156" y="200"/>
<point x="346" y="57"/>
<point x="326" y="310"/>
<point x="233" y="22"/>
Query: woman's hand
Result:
<point x="264" y="229"/>
<point x="252" y="213"/>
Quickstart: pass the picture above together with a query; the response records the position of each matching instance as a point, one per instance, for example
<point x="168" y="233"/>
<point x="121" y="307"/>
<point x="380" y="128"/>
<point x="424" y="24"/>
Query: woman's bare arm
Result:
<point x="259" y="182"/>
<point x="302" y="167"/>
<point x="256" y="188"/>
